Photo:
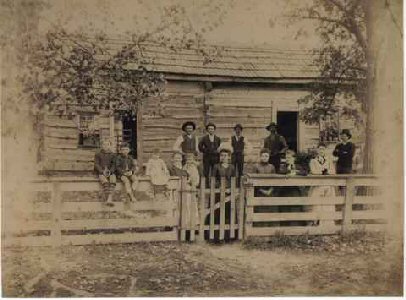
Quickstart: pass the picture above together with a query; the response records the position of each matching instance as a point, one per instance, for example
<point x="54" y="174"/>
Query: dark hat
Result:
<point x="272" y="124"/>
<point x="346" y="132"/>
<point x="188" y="123"/>
<point x="238" y="126"/>
<point x="210" y="124"/>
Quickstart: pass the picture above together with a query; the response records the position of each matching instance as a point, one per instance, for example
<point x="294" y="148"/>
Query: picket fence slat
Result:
<point x="269" y="201"/>
<point x="202" y="202"/>
<point x="302" y="216"/>
<point x="292" y="230"/>
<point x="241" y="202"/>
<point x="212" y="201"/>
<point x="222" y="207"/>
<point x="232" y="208"/>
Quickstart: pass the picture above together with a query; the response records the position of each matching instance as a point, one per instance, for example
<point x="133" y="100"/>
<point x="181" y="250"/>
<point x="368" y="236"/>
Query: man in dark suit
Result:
<point x="276" y="144"/>
<point x="209" y="146"/>
<point x="345" y="153"/>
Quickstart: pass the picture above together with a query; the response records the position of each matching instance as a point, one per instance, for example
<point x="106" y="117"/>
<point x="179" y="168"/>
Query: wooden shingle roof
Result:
<point x="229" y="62"/>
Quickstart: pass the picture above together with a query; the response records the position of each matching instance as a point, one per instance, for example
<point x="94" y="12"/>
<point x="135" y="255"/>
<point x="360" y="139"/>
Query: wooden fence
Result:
<point x="319" y="205"/>
<point x="72" y="221"/>
<point x="217" y="210"/>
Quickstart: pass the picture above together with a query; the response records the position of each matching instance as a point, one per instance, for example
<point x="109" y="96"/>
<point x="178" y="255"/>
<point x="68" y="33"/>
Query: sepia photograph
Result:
<point x="201" y="148"/>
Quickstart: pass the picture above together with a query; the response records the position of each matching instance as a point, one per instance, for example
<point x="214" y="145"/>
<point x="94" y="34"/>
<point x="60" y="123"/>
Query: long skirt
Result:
<point x="322" y="191"/>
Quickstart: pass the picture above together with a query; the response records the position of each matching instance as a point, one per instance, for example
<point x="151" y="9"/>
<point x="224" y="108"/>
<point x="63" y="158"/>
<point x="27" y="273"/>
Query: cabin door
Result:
<point x="129" y="121"/>
<point x="287" y="127"/>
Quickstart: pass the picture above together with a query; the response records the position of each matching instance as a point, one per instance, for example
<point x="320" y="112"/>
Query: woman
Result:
<point x="322" y="164"/>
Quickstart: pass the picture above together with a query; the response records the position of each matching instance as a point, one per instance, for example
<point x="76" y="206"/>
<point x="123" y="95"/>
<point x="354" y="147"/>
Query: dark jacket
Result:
<point x="103" y="160"/>
<point x="123" y="164"/>
<point x="238" y="146"/>
<point x="345" y="154"/>
<point x="207" y="147"/>
<point x="275" y="144"/>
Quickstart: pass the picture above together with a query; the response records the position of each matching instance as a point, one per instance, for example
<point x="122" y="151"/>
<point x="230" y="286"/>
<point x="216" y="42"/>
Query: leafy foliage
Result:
<point x="341" y="60"/>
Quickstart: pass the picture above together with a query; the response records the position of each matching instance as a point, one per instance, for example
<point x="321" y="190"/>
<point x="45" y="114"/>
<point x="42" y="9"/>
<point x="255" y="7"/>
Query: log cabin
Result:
<point x="241" y="85"/>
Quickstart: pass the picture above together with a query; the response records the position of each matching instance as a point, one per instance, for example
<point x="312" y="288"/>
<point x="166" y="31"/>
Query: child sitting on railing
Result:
<point x="126" y="169"/>
<point x="158" y="172"/>
<point x="105" y="168"/>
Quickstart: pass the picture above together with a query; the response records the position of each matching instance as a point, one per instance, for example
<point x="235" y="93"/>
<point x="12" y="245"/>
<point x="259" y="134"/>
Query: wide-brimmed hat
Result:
<point x="188" y="123"/>
<point x="210" y="124"/>
<point x="272" y="124"/>
<point x="346" y="132"/>
<point x="238" y="126"/>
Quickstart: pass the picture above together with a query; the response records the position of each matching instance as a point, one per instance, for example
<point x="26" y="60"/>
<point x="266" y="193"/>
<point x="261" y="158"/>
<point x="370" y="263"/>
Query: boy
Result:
<point x="126" y="169"/>
<point x="209" y="145"/>
<point x="105" y="168"/>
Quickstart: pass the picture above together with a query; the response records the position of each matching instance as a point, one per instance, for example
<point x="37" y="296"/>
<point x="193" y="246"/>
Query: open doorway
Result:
<point x="287" y="127"/>
<point x="129" y="121"/>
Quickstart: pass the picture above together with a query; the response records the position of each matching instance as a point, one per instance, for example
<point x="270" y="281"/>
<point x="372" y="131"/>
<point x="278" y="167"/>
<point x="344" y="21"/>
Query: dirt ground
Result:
<point x="283" y="268"/>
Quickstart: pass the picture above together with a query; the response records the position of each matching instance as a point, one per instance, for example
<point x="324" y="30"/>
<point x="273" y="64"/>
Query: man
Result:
<point x="105" y="168"/>
<point x="209" y="146"/>
<point x="345" y="152"/>
<point x="276" y="144"/>
<point x="240" y="146"/>
<point x="187" y="142"/>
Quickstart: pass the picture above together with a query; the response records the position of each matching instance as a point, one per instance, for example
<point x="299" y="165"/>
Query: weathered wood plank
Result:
<point x="302" y="216"/>
<point x="70" y="154"/>
<point x="119" y="238"/>
<point x="90" y="224"/>
<point x="232" y="208"/>
<point x="222" y="207"/>
<point x="369" y="215"/>
<point x="28" y="241"/>
<point x="264" y="201"/>
<point x="368" y="200"/>
<point x="212" y="202"/>
<point x="292" y="230"/>
<point x="280" y="180"/>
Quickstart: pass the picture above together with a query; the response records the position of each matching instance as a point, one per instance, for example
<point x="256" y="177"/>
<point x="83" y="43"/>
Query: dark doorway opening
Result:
<point x="129" y="121"/>
<point x="287" y="127"/>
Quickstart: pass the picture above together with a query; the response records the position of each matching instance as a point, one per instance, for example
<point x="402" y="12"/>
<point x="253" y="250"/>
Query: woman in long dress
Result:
<point x="322" y="164"/>
<point x="193" y="180"/>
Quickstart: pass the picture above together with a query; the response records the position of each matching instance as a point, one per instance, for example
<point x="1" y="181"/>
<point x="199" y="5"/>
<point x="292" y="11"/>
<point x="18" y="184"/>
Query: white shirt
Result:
<point x="178" y="143"/>
<point x="318" y="164"/>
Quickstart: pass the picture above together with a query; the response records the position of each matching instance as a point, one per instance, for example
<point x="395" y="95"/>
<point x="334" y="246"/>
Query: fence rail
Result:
<point x="218" y="209"/>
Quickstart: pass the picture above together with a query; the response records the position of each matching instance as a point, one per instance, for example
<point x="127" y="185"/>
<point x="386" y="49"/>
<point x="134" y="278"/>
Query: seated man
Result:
<point x="105" y="168"/>
<point x="126" y="169"/>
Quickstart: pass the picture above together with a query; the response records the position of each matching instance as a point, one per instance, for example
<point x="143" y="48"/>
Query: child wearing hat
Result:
<point x="276" y="145"/>
<point x="188" y="141"/>
<point x="209" y="146"/>
<point x="105" y="168"/>
<point x="345" y="152"/>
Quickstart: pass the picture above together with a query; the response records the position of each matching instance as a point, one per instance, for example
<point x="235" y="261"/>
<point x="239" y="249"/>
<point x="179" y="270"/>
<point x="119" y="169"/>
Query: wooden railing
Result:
<point x="215" y="211"/>
<point x="150" y="220"/>
<point x="353" y="191"/>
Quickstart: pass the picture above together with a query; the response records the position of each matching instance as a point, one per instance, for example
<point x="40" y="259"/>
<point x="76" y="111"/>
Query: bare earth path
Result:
<point x="172" y="269"/>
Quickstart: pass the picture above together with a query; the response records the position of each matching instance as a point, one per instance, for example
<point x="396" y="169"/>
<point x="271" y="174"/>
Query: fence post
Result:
<point x="241" y="205"/>
<point x="202" y="208"/>
<point x="192" y="216"/>
<point x="347" y="211"/>
<point x="56" y="198"/>
<point x="249" y="208"/>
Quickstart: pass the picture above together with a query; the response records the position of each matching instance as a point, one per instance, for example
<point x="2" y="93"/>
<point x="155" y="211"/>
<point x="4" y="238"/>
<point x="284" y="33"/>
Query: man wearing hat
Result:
<point x="276" y="144"/>
<point x="209" y="146"/>
<point x="188" y="141"/>
<point x="345" y="153"/>
<point x="239" y="145"/>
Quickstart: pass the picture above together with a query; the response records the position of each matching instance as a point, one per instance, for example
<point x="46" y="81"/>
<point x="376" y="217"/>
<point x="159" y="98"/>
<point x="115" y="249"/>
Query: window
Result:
<point x="329" y="128"/>
<point x="89" y="136"/>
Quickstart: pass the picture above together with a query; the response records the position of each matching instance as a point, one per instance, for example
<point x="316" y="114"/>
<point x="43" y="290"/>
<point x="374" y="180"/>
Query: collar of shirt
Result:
<point x="211" y="137"/>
